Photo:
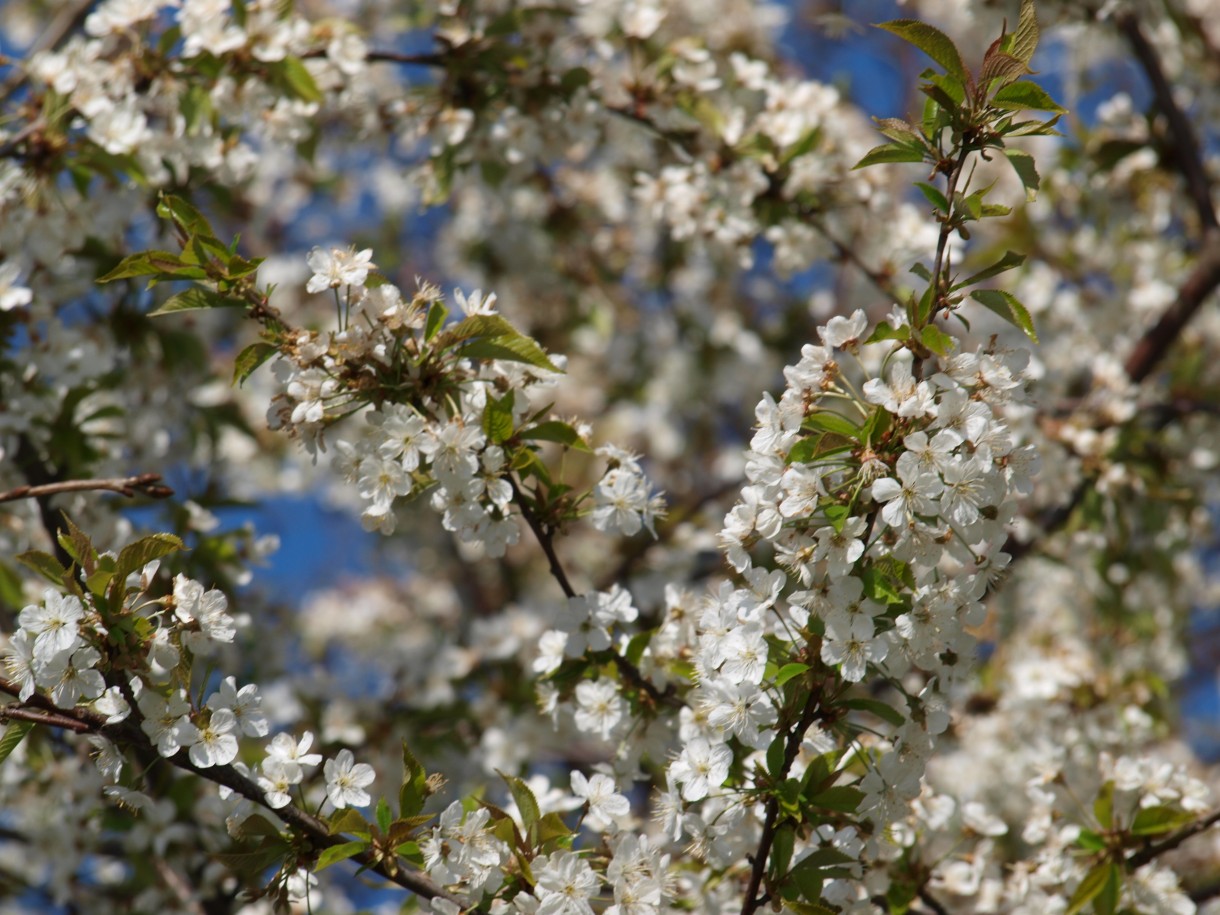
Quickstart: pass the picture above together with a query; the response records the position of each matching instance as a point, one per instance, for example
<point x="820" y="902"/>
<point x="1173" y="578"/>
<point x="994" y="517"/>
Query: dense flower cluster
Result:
<point x="435" y="430"/>
<point x="934" y="670"/>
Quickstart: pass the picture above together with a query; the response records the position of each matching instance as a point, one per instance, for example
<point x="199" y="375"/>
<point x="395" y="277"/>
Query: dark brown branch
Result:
<point x="1185" y="145"/>
<point x="759" y="864"/>
<point x="1152" y="852"/>
<point x="545" y="535"/>
<point x="932" y="902"/>
<point x="421" y="60"/>
<point x="1203" y="279"/>
<point x="1200" y="284"/>
<point x="38" y="716"/>
<point x="129" y="734"/>
<point x="393" y="57"/>
<point x="148" y="484"/>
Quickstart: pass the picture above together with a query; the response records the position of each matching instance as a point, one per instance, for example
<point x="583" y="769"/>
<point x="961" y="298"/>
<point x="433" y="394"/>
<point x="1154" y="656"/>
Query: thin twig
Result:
<point x="148" y="484"/>
<point x="545" y="535"/>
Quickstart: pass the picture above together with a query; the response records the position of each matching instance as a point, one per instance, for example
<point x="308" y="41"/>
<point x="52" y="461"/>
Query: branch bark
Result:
<point x="128" y="735"/>
<point x="148" y="484"/>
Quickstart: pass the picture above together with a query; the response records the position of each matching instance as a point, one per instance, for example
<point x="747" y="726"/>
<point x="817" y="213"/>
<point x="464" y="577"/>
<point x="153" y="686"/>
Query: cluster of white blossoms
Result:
<point x="61" y="641"/>
<point x="868" y="532"/>
<point x="445" y="405"/>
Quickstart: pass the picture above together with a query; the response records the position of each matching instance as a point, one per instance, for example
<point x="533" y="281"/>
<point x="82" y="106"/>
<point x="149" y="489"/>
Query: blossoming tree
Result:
<point x="809" y="520"/>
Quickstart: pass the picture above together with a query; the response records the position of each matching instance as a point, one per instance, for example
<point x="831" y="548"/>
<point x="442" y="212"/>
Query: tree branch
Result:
<point x="759" y="865"/>
<point x="128" y="734"/>
<point x="1152" y="852"/>
<point x="545" y="535"/>
<point x="148" y="484"/>
<point x="1185" y="145"/>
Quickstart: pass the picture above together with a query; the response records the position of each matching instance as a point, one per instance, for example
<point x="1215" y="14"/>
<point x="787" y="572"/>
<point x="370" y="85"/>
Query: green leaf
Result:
<point x="1103" y="806"/>
<point x="250" y="359"/>
<point x="13" y="735"/>
<point x="255" y="862"/>
<point x="886" y="331"/>
<point x="1095" y="882"/>
<point x="477" y="326"/>
<point x="11" y="591"/>
<point x="876" y="707"/>
<point x="555" y="430"/>
<point x="876" y="425"/>
<point x="935" y="197"/>
<point x="552" y="828"/>
<point x="900" y="131"/>
<point x="1025" y="96"/>
<point x="802" y="146"/>
<point x="45" y="565"/>
<point x="98" y="581"/>
<point x="878" y="587"/>
<point x="933" y="42"/>
<point x="781" y="850"/>
<point x="527" y="804"/>
<point x="349" y="820"/>
<point x="383" y="816"/>
<point x="924" y="307"/>
<point x="337" y="853"/>
<point x="146" y="263"/>
<point x="498" y="418"/>
<point x="937" y="340"/>
<point x="775" y="757"/>
<point x="413" y="793"/>
<point x="788" y="671"/>
<point x="1010" y="260"/>
<point x="134" y="556"/>
<point x="841" y="798"/>
<point x="804" y="450"/>
<point x="889" y="152"/>
<point x="1090" y="840"/>
<point x="257" y="826"/>
<point x="1008" y="307"/>
<point x="298" y="80"/>
<point x="1106" y="902"/>
<point x="184" y="215"/>
<point x="437" y="312"/>
<point x="834" y="423"/>
<point x="1023" y="164"/>
<point x="194" y="298"/>
<point x="820" y="773"/>
<point x="1152" y="821"/>
<point x="513" y="347"/>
